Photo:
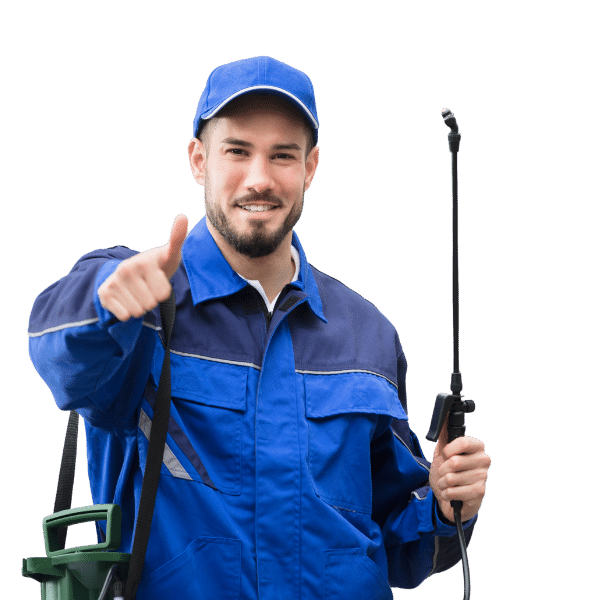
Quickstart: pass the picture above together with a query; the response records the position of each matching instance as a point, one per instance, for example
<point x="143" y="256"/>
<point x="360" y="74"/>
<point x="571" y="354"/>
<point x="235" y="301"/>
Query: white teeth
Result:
<point x="258" y="208"/>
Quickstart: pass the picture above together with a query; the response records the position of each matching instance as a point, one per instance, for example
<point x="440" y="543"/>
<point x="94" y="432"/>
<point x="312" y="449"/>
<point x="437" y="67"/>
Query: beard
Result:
<point x="258" y="242"/>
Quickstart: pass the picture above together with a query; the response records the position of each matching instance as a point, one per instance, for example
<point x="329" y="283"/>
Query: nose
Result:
<point x="259" y="176"/>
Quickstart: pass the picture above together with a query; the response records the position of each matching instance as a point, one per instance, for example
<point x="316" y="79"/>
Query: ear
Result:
<point x="197" y="154"/>
<point x="312" y="160"/>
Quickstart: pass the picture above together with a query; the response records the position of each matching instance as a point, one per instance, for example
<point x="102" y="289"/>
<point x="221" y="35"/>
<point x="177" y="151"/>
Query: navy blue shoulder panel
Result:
<point x="230" y="328"/>
<point x="356" y="336"/>
<point x="74" y="302"/>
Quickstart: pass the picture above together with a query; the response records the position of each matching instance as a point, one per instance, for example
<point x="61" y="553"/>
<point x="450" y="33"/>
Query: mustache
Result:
<point x="249" y="198"/>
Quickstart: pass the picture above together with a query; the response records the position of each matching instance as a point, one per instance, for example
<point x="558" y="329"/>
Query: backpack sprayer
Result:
<point x="451" y="406"/>
<point x="89" y="572"/>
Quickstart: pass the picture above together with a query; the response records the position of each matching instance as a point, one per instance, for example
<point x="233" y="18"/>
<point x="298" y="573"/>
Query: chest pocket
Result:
<point x="204" y="441"/>
<point x="342" y="412"/>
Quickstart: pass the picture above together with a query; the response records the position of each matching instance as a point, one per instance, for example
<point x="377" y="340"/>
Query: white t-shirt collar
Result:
<point x="255" y="283"/>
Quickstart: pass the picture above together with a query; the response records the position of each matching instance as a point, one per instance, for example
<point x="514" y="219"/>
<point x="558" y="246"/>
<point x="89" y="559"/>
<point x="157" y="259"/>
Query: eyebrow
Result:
<point x="244" y="144"/>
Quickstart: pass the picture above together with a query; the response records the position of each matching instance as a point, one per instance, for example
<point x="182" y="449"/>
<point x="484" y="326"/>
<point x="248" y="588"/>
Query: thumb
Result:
<point x="442" y="440"/>
<point x="171" y="257"/>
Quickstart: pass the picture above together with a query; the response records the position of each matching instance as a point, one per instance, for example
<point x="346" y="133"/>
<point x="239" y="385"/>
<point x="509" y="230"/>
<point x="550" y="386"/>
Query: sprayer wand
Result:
<point x="452" y="406"/>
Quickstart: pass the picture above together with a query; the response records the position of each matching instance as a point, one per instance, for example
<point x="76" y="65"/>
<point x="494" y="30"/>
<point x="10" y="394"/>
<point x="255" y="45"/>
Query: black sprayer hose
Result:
<point x="463" y="551"/>
<point x="118" y="588"/>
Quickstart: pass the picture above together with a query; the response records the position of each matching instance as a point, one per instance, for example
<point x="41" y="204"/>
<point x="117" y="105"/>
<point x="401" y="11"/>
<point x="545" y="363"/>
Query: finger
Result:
<point x="466" y="493"/>
<point x="179" y="232"/>
<point x="442" y="439"/>
<point x="464" y="462"/>
<point x="127" y="284"/>
<point x="462" y="445"/>
<point x="142" y="294"/>
<point x="171" y="256"/>
<point x="464" y="478"/>
<point x="441" y="443"/>
<point x="122" y="305"/>
<point x="115" y="307"/>
<point x="108" y="294"/>
<point x="130" y="304"/>
<point x="142" y="279"/>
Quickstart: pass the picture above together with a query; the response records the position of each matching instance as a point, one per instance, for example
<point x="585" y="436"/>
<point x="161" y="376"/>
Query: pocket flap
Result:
<point x="205" y="381"/>
<point x="339" y="393"/>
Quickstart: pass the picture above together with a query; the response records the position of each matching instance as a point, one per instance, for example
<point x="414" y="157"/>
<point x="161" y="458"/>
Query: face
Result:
<point x="255" y="175"/>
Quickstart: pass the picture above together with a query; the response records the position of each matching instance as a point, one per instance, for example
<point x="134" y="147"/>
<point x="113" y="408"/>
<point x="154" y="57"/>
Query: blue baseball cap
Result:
<point x="261" y="74"/>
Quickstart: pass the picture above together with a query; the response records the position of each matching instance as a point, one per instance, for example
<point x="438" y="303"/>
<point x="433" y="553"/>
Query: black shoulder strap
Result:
<point x="156" y="448"/>
<point x="66" y="477"/>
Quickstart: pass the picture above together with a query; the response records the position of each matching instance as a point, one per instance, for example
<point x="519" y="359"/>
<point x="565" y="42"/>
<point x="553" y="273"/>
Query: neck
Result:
<point x="274" y="271"/>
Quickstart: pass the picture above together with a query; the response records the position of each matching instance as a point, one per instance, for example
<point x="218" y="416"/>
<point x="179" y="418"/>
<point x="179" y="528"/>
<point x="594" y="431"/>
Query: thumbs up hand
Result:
<point x="142" y="282"/>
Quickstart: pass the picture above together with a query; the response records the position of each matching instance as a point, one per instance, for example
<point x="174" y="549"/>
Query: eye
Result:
<point x="236" y="151"/>
<point x="283" y="155"/>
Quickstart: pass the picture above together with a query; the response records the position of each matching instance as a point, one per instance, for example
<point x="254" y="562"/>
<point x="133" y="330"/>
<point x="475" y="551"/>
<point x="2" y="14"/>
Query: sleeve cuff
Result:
<point x="107" y="269"/>
<point x="443" y="526"/>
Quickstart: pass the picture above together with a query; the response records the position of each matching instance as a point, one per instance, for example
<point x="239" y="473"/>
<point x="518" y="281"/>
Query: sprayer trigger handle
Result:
<point x="443" y="404"/>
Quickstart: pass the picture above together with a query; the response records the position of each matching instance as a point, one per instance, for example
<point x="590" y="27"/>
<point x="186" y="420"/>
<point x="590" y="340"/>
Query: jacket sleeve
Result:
<point x="419" y="541"/>
<point x="91" y="361"/>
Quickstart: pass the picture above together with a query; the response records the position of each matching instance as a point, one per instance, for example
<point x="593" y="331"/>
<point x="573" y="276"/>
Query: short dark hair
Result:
<point x="204" y="126"/>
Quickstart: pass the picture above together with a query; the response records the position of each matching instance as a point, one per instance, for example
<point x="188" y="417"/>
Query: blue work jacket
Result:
<point x="289" y="469"/>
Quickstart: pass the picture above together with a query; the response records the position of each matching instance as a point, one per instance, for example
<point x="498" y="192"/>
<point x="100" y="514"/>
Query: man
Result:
<point x="290" y="470"/>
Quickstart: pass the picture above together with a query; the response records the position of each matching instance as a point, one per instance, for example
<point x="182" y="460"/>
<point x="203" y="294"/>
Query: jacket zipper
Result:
<point x="269" y="315"/>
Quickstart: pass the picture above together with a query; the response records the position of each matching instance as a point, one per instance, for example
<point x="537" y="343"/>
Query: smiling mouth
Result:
<point x="258" y="207"/>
